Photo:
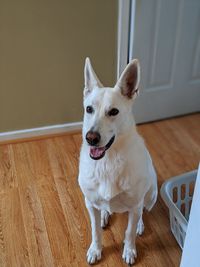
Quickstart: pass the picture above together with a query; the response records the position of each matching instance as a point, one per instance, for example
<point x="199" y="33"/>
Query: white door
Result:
<point x="165" y="36"/>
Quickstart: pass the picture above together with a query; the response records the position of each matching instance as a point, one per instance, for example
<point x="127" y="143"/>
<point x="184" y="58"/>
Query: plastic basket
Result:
<point x="177" y="194"/>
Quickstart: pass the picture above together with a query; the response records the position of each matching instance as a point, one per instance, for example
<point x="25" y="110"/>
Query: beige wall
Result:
<point x="43" y="44"/>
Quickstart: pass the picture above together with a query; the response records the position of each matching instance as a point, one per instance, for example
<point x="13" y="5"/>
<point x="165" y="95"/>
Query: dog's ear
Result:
<point x="90" y="76"/>
<point x="129" y="80"/>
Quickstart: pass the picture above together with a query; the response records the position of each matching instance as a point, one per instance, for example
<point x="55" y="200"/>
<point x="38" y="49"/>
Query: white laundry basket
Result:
<point x="177" y="194"/>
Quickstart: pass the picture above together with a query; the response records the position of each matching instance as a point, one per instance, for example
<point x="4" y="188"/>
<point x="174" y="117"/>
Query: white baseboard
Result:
<point x="36" y="132"/>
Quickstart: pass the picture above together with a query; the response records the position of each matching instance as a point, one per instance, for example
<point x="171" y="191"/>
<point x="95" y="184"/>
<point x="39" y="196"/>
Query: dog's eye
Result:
<point x="113" y="112"/>
<point x="89" y="109"/>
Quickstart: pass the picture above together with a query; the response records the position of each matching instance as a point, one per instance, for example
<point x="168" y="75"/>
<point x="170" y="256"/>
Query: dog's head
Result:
<point x="108" y="111"/>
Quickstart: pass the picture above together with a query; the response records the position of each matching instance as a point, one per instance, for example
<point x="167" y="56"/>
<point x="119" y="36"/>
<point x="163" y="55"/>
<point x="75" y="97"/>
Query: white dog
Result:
<point x="116" y="172"/>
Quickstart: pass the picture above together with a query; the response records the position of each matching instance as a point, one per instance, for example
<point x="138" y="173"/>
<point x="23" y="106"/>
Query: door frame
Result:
<point x="126" y="18"/>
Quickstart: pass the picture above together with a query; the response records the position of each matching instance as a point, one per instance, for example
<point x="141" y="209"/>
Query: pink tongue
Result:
<point x="97" y="152"/>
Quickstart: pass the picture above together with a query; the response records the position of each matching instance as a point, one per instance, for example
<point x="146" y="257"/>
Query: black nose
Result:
<point x="93" y="138"/>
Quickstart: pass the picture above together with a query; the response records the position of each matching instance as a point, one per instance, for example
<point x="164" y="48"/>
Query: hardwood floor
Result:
<point x="43" y="219"/>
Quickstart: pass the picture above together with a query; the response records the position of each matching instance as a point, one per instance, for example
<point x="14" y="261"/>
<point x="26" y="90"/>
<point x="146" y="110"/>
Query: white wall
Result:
<point x="191" y="251"/>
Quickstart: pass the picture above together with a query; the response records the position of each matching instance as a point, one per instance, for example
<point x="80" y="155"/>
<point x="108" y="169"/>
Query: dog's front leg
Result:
<point x="94" y="251"/>
<point x="129" y="252"/>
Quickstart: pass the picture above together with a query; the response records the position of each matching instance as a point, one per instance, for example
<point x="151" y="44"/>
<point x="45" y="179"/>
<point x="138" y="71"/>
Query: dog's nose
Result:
<point x="93" y="138"/>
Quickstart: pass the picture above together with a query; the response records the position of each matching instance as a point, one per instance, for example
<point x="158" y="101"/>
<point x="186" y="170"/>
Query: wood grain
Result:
<point x="43" y="219"/>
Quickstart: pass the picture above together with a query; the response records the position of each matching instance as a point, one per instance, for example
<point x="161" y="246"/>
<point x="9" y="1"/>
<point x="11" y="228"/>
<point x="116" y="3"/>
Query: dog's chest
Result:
<point x="106" y="183"/>
<point x="109" y="195"/>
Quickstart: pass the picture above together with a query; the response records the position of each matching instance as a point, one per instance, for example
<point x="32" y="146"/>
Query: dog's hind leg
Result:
<point x="140" y="226"/>
<point x="104" y="218"/>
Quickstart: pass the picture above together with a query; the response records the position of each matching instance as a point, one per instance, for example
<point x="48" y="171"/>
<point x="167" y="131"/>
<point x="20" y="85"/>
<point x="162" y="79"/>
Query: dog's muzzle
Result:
<point x="99" y="152"/>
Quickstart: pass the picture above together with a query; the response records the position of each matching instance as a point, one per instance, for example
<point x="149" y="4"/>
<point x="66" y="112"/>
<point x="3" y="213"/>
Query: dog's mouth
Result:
<point x="99" y="152"/>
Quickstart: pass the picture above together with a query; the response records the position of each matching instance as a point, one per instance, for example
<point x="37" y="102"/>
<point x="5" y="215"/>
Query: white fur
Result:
<point x="124" y="179"/>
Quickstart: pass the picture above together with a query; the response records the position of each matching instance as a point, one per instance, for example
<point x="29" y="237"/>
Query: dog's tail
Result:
<point x="150" y="198"/>
<point x="151" y="195"/>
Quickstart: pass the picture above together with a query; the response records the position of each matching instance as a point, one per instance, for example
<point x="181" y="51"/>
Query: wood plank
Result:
<point x="57" y="229"/>
<point x="34" y="224"/>
<point x="8" y="179"/>
<point x="13" y="249"/>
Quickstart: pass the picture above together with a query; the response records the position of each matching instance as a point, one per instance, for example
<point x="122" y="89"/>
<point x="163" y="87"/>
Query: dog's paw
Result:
<point x="129" y="255"/>
<point x="93" y="254"/>
<point x="104" y="218"/>
<point x="140" y="228"/>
